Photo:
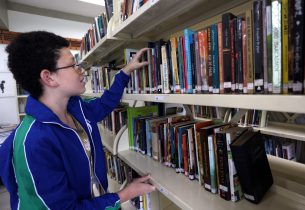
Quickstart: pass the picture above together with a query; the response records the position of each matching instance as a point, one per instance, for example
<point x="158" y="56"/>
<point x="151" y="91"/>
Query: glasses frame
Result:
<point x="78" y="67"/>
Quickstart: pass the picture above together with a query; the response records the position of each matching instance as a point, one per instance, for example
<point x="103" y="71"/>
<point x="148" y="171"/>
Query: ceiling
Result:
<point x="79" y="10"/>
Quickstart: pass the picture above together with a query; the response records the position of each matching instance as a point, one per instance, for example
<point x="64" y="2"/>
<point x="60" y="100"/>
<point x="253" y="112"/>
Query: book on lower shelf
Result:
<point x="252" y="165"/>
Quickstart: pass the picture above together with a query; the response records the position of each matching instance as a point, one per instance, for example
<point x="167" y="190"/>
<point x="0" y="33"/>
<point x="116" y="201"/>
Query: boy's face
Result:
<point x="71" y="78"/>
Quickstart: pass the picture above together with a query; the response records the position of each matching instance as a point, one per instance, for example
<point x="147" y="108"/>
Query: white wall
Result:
<point x="3" y="14"/>
<point x="8" y="100"/>
<point x="24" y="22"/>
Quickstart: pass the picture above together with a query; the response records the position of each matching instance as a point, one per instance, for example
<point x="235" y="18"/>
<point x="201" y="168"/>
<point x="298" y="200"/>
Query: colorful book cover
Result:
<point x="175" y="70"/>
<point x="203" y="50"/>
<point x="298" y="66"/>
<point x="188" y="41"/>
<point x="276" y="47"/>
<point x="135" y="112"/>
<point x="285" y="26"/>
<point x="226" y="41"/>
<point x="258" y="47"/>
<point x="220" y="58"/>
<point x="269" y="43"/>
<point x="250" y="74"/>
<point x="215" y="64"/>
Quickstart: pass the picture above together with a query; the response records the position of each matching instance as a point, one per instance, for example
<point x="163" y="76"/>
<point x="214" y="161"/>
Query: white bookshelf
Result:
<point x="285" y="130"/>
<point x="103" y="48"/>
<point x="107" y="139"/>
<point x="280" y="103"/>
<point x="190" y="195"/>
<point x="160" y="18"/>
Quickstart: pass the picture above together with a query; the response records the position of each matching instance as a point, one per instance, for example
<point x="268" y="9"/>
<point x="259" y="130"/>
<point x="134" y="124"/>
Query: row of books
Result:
<point x="94" y="34"/>
<point x="116" y="120"/>
<point x="250" y="119"/>
<point x="101" y="78"/>
<point x="198" y="149"/>
<point x="128" y="7"/>
<point x="232" y="56"/>
<point x="284" y="148"/>
<point x="121" y="172"/>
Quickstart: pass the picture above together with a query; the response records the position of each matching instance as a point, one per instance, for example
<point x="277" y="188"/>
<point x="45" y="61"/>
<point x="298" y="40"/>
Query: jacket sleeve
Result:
<point x="101" y="107"/>
<point x="50" y="183"/>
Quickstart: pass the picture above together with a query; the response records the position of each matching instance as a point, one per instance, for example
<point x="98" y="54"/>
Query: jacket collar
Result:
<point x="44" y="114"/>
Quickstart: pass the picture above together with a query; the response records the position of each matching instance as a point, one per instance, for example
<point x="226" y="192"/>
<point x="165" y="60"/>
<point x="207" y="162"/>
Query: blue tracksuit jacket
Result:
<point x="43" y="163"/>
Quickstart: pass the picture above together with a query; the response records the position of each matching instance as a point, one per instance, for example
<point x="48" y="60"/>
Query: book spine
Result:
<point x="205" y="160"/>
<point x="150" y="70"/>
<point x="198" y="151"/>
<point x="158" y="66"/>
<point x="233" y="24"/>
<point x="212" y="164"/>
<point x="285" y="45"/>
<point x="265" y="44"/>
<point x="223" y="172"/>
<point x="185" y="153"/>
<point x="269" y="43"/>
<point x="203" y="45"/>
<point x="235" y="188"/>
<point x="276" y="47"/>
<point x="239" y="55"/>
<point x="197" y="61"/>
<point x="244" y="51"/>
<point x="180" y="65"/>
<point x="215" y="66"/>
<point x="220" y="57"/>
<point x="226" y="41"/>
<point x="175" y="73"/>
<point x="258" y="47"/>
<point x="193" y="63"/>
<point x="164" y="72"/>
<point x="191" y="149"/>
<point x="188" y="40"/>
<point x="250" y="74"/>
<point x="298" y="66"/>
<point x="290" y="44"/>
<point x="210" y="65"/>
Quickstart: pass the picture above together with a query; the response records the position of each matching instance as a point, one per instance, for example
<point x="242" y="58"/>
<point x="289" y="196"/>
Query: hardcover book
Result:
<point x="252" y="165"/>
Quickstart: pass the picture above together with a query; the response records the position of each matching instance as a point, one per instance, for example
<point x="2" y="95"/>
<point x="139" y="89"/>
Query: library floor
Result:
<point x="4" y="199"/>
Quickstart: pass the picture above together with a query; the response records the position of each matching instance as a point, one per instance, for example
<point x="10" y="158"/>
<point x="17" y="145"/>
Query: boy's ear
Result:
<point x="47" y="78"/>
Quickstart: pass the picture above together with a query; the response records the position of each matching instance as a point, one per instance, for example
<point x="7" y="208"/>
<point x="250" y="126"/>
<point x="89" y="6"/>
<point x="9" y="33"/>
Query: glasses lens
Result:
<point x="83" y="65"/>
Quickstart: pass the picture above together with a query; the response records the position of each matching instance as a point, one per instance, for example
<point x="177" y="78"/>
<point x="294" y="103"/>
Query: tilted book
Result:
<point x="252" y="165"/>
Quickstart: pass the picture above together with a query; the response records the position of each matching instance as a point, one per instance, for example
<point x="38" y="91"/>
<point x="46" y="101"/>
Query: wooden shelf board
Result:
<point x="190" y="195"/>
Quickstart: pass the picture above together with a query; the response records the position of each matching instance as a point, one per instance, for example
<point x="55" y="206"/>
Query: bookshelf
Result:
<point x="160" y="19"/>
<point x="21" y="101"/>
<point x="190" y="195"/>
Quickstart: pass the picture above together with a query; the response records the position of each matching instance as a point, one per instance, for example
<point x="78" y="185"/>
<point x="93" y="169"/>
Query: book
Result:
<point x="226" y="42"/>
<point x="276" y="47"/>
<point x="133" y="112"/>
<point x="232" y="178"/>
<point x="252" y="165"/>
<point x="285" y="13"/>
<point x="258" y="47"/>
<point x="298" y="36"/>
<point x="249" y="74"/>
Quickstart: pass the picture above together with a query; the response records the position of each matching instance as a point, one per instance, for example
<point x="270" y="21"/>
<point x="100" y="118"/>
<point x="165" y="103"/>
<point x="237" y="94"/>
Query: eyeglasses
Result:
<point x="78" y="67"/>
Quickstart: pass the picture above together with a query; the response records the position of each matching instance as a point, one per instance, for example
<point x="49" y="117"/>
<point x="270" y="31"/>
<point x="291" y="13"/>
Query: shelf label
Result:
<point x="159" y="98"/>
<point x="164" y="191"/>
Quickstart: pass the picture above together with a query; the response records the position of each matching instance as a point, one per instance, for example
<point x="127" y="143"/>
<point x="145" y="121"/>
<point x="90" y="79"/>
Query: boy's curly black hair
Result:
<point x="29" y="54"/>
